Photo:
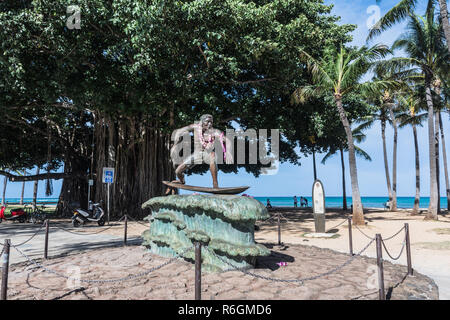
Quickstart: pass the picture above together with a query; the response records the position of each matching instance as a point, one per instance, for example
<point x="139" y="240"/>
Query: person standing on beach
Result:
<point x="295" y="201"/>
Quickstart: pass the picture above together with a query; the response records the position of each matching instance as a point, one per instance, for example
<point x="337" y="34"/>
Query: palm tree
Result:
<point x="444" y="155"/>
<point x="426" y="53"/>
<point x="35" y="189"/>
<point x="437" y="86"/>
<point x="339" y="73"/>
<point x="402" y="10"/>
<point x="385" y="113"/>
<point x="358" y="137"/>
<point x="24" y="173"/>
<point x="5" y="182"/>
<point x="410" y="104"/>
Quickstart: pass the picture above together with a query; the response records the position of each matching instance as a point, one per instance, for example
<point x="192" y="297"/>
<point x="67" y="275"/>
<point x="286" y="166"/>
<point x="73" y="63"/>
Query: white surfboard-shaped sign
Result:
<point x="318" y="196"/>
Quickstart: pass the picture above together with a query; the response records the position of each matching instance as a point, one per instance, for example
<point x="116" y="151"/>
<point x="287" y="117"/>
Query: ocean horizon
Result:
<point x="368" y="202"/>
<point x="330" y="202"/>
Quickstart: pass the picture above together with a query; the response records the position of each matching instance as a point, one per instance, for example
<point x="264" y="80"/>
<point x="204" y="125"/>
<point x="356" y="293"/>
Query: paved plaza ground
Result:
<point x="102" y="256"/>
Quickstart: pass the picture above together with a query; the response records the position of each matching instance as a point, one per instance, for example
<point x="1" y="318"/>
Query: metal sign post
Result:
<point x="108" y="178"/>
<point x="91" y="183"/>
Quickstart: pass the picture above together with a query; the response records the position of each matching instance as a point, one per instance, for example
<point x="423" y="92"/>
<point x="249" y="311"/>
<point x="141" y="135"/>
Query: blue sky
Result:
<point x="297" y="180"/>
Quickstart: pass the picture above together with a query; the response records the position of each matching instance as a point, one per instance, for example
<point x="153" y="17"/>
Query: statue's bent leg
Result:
<point x="213" y="169"/>
<point x="187" y="164"/>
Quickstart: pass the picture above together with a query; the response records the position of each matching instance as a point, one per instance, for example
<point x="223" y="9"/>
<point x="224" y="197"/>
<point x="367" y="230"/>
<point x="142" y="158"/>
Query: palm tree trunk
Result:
<point x="444" y="156"/>
<point x="432" y="208"/>
<point x="416" y="207"/>
<point x="438" y="173"/>
<point x="344" y="194"/>
<point x="314" y="165"/>
<point x="444" y="18"/>
<point x="35" y="190"/>
<point x="5" y="182"/>
<point x="22" y="193"/>
<point x="394" y="161"/>
<point x="386" y="164"/>
<point x="358" y="214"/>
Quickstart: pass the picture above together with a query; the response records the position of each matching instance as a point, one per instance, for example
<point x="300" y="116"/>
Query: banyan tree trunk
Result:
<point x="74" y="190"/>
<point x="139" y="152"/>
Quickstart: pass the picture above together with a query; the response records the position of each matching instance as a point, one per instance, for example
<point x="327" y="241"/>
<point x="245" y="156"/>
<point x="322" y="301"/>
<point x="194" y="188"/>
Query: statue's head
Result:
<point x="206" y="121"/>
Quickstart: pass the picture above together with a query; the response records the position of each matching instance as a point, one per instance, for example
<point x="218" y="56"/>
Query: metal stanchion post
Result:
<point x="125" y="231"/>
<point x="381" y="292"/>
<point x="46" y="239"/>
<point x="5" y="269"/>
<point x="408" y="249"/>
<point x="350" y="238"/>
<point x="198" y="271"/>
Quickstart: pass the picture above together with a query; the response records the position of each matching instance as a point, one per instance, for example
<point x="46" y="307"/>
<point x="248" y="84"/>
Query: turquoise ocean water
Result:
<point x="330" y="202"/>
<point x="30" y="200"/>
<point x="368" y="202"/>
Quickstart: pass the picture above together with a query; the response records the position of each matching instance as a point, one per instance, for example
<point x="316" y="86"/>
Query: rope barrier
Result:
<point x="334" y="270"/>
<point x="345" y="220"/>
<point x="127" y="278"/>
<point x="363" y="232"/>
<point x="388" y="253"/>
<point x="389" y="238"/>
<point x="87" y="233"/>
<point x="144" y="224"/>
<point x="40" y="228"/>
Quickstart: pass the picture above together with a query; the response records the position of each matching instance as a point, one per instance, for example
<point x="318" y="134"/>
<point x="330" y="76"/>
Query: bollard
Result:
<point x="381" y="292"/>
<point x="5" y="269"/>
<point x="408" y="250"/>
<point x="198" y="271"/>
<point x="350" y="239"/>
<point x="125" y="231"/>
<point x="46" y="239"/>
<point x="279" y="230"/>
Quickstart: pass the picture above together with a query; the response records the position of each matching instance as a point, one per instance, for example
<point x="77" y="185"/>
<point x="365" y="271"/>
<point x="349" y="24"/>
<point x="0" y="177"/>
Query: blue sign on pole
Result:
<point x="108" y="175"/>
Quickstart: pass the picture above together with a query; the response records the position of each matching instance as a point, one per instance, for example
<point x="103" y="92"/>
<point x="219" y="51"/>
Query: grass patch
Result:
<point x="442" y="230"/>
<point x="444" y="245"/>
<point x="336" y="235"/>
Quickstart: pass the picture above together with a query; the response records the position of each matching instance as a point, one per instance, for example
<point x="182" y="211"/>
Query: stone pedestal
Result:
<point x="319" y="222"/>
<point x="224" y="223"/>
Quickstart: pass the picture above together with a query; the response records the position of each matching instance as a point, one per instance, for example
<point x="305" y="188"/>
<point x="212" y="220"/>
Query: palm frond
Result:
<point x="360" y="152"/>
<point x="393" y="16"/>
<point x="328" y="156"/>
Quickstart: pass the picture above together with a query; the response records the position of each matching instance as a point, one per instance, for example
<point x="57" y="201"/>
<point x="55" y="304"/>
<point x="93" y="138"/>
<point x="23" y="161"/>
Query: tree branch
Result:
<point x="44" y="176"/>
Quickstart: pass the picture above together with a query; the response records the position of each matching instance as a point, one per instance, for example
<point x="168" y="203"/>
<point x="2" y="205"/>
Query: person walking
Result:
<point x="295" y="201"/>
